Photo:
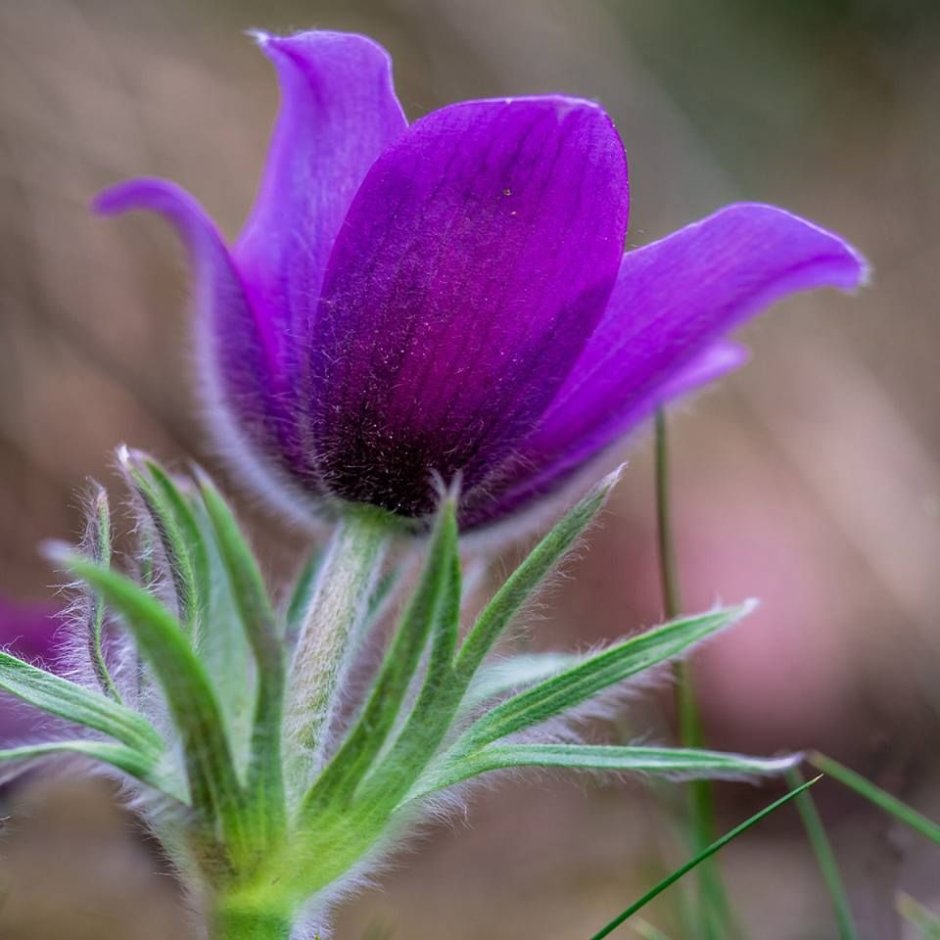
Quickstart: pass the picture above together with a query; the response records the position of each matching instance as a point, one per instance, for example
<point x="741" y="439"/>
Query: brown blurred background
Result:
<point x="810" y="480"/>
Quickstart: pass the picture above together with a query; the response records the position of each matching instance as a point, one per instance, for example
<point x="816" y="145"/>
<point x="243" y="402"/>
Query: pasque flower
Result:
<point x="452" y="297"/>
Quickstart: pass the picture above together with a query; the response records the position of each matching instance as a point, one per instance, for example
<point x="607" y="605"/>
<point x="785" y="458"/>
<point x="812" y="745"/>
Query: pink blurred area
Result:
<point x="810" y="480"/>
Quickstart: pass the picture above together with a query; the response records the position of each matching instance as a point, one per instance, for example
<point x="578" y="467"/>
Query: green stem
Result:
<point x="236" y="924"/>
<point x="822" y="849"/>
<point x="714" y="918"/>
<point x="338" y="607"/>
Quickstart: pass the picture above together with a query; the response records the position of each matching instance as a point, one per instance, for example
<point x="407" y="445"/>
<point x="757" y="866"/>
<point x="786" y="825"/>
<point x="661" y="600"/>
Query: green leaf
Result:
<point x="180" y="506"/>
<point x="698" y="859"/>
<point x="57" y="696"/>
<point x="433" y="609"/>
<point x="224" y="649"/>
<point x="822" y="849"/>
<point x="447" y="680"/>
<point x="570" y="688"/>
<point x="303" y="591"/>
<point x="646" y="760"/>
<point x="265" y="775"/>
<point x="526" y="580"/>
<point x="890" y="804"/>
<point x="163" y="515"/>
<point x="98" y="545"/>
<point x="430" y="719"/>
<point x="213" y="784"/>
<point x="516" y="673"/>
<point x="925" y="920"/>
<point x="144" y="767"/>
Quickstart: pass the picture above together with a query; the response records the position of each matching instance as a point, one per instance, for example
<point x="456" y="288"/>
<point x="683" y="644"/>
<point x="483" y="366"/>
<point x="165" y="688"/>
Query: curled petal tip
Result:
<point x="301" y="46"/>
<point x="259" y="36"/>
<point x="845" y="267"/>
<point x="128" y="195"/>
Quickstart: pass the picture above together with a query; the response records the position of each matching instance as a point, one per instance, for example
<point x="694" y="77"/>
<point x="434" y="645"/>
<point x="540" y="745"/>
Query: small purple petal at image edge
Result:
<point x="27" y="631"/>
<point x="452" y="298"/>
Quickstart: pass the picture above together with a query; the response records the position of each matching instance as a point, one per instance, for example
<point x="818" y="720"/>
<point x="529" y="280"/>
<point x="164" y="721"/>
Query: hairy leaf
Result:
<point x="433" y="609"/>
<point x="162" y="512"/>
<point x="143" y="766"/>
<point x="526" y="580"/>
<point x="213" y="783"/>
<point x="93" y="710"/>
<point x="98" y="545"/>
<point x="570" y="688"/>
<point x="265" y="778"/>
<point x="664" y="761"/>
<point x="516" y="673"/>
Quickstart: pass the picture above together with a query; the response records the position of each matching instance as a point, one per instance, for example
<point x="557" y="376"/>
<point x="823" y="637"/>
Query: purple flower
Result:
<point x="452" y="297"/>
<point x="27" y="630"/>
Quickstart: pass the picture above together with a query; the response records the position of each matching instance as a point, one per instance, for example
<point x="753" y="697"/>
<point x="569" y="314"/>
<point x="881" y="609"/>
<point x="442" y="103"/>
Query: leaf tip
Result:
<point x="57" y="552"/>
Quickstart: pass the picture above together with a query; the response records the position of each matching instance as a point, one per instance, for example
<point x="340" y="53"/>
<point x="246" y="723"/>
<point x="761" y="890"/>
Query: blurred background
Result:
<point x="809" y="480"/>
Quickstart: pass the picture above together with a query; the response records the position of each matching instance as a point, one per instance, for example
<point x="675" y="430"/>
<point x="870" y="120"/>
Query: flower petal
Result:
<point x="338" y="113"/>
<point x="672" y="301"/>
<point x="28" y="631"/>
<point x="27" y="628"/>
<point x="524" y="481"/>
<point x="475" y="261"/>
<point x="242" y="372"/>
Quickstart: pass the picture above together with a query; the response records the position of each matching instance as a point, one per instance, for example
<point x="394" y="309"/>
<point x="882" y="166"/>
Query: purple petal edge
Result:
<point x="338" y="113"/>
<point x="673" y="299"/>
<point x="528" y="486"/>
<point x="243" y="372"/>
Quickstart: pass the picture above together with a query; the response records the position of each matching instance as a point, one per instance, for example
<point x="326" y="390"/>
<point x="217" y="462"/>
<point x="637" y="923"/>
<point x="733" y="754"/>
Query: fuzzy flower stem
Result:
<point x="337" y="610"/>
<point x="714" y="916"/>
<point x="236" y="924"/>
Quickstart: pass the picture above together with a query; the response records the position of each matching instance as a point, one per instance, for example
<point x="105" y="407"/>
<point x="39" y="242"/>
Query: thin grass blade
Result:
<point x="822" y="849"/>
<point x="920" y="917"/>
<point x="716" y="846"/>
<point x="890" y="804"/>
